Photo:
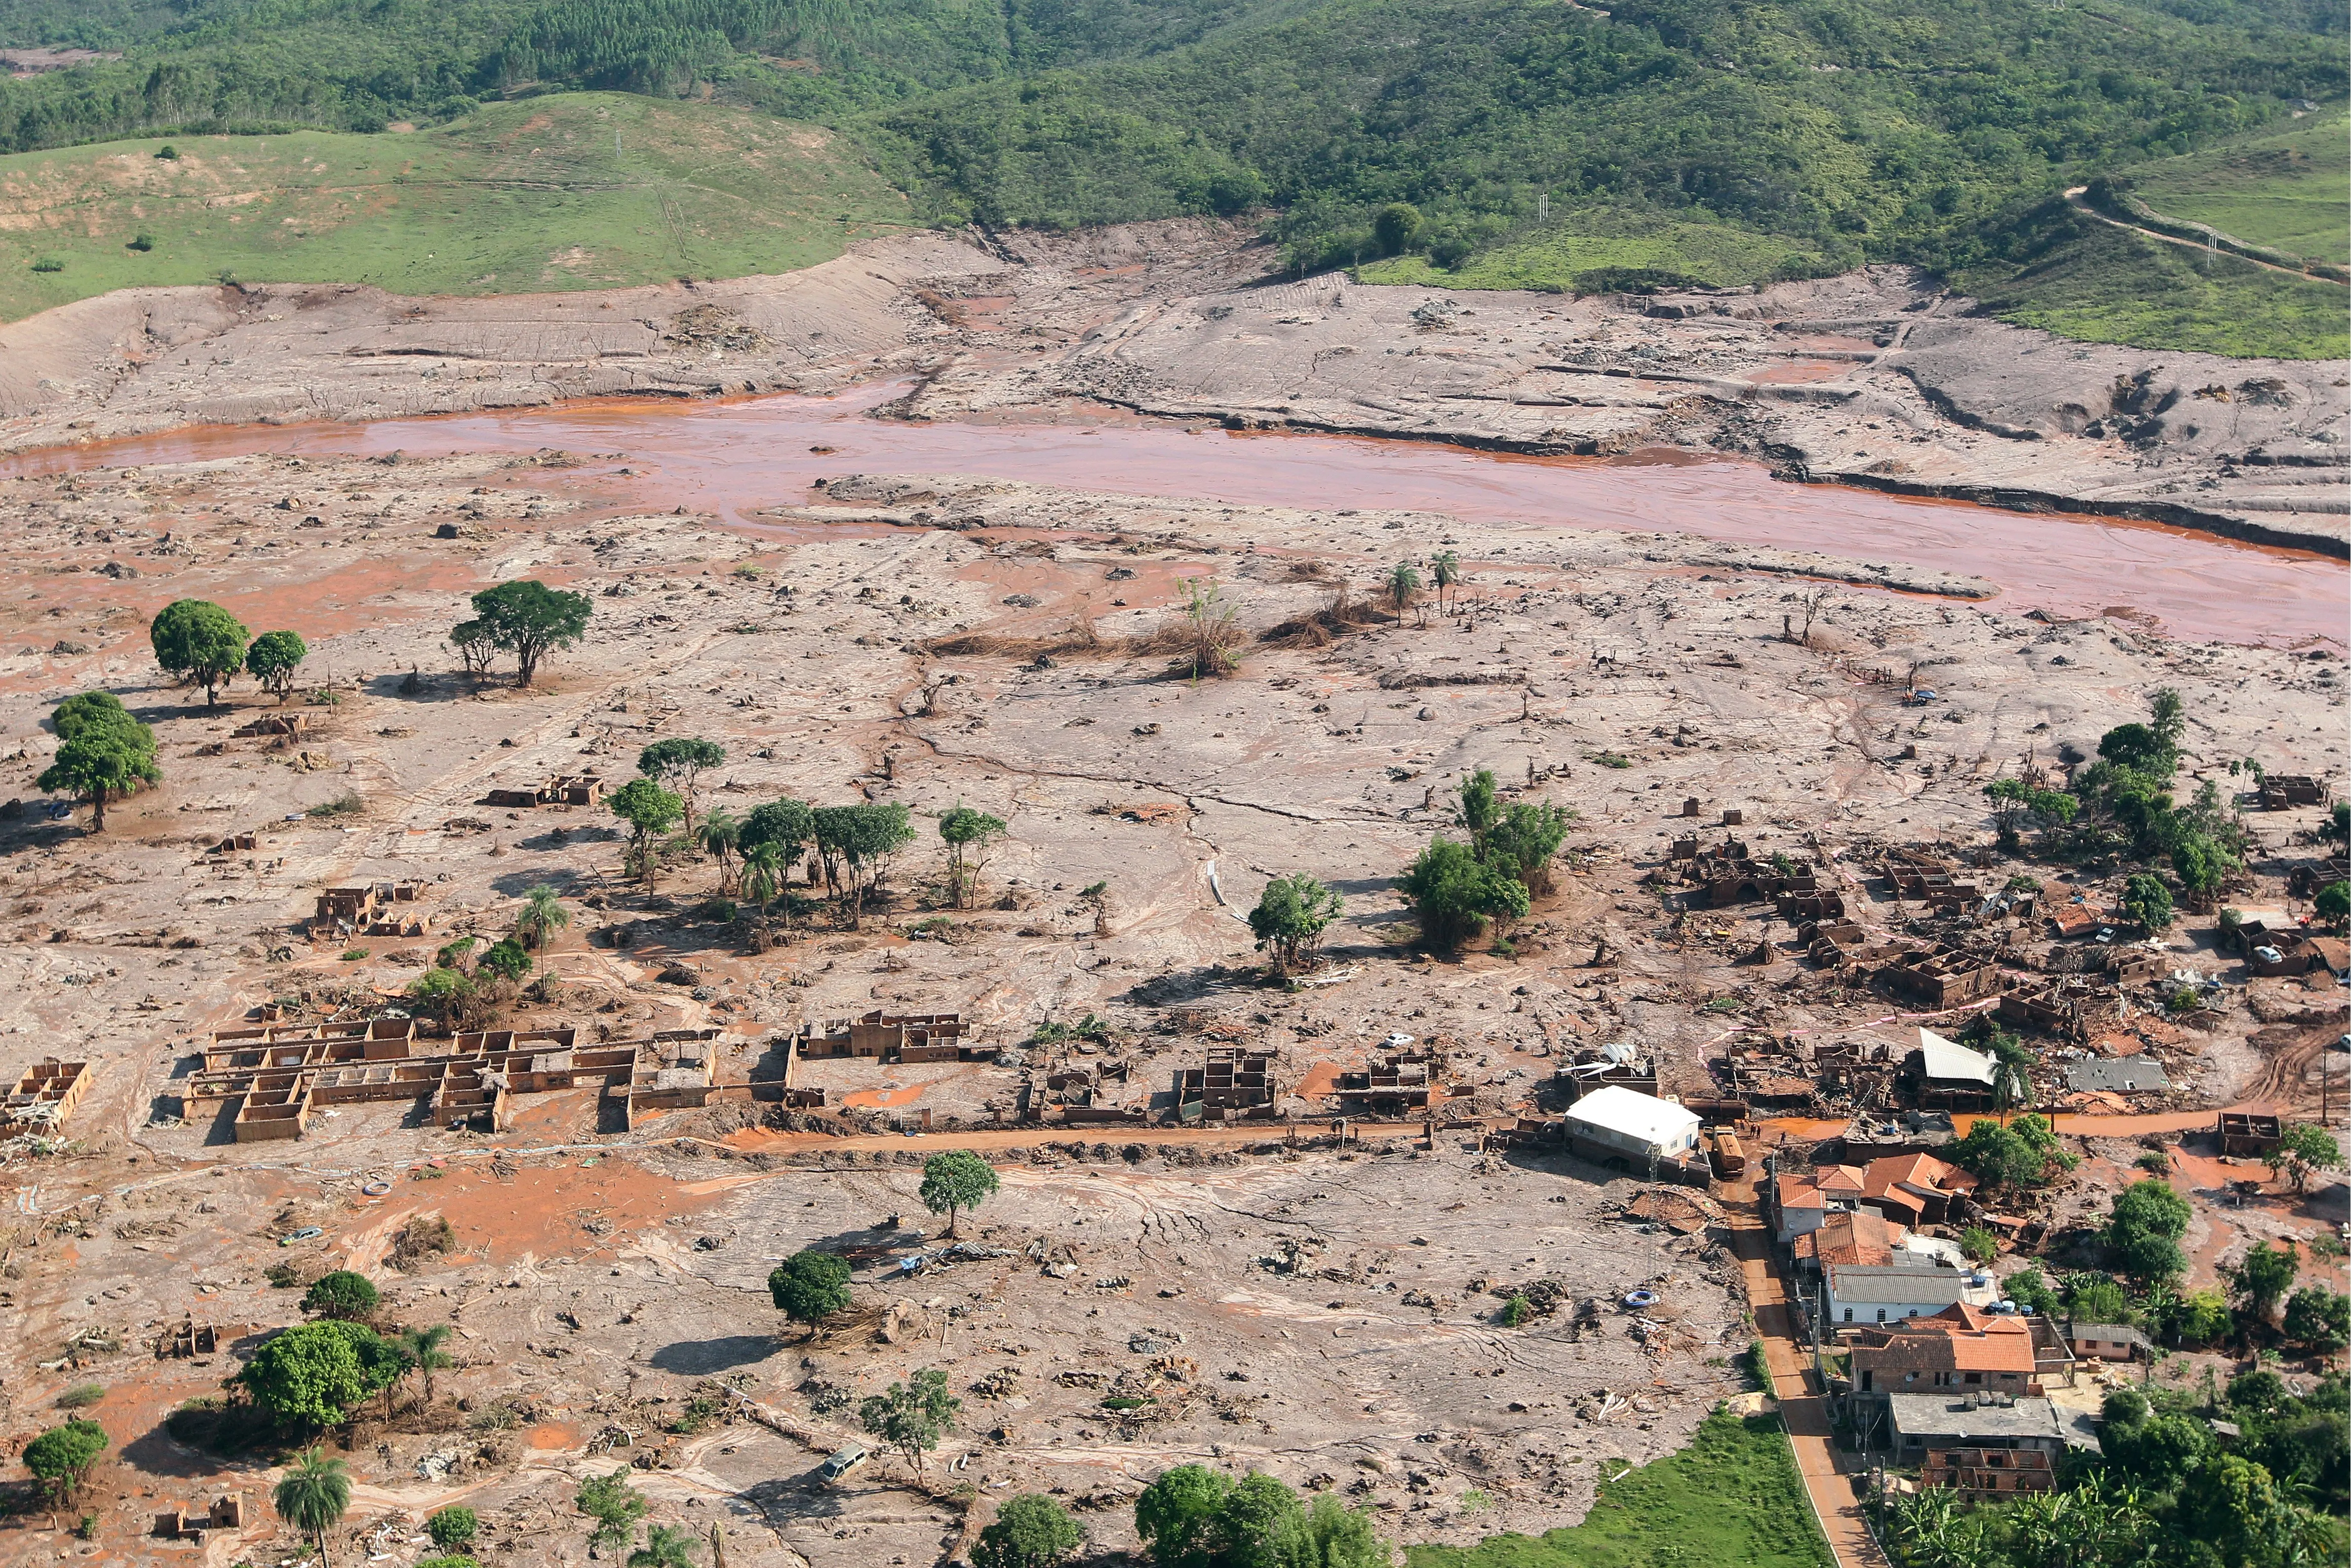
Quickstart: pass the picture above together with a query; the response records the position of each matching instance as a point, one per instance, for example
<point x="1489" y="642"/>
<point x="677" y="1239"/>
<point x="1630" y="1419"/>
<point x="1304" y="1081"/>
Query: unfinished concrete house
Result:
<point x="2249" y="1133"/>
<point x="561" y="789"/>
<point x="1232" y="1081"/>
<point x="188" y="1524"/>
<point x="45" y="1096"/>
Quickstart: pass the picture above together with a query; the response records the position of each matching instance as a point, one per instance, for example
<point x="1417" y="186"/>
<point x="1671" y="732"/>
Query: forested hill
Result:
<point x="1797" y="137"/>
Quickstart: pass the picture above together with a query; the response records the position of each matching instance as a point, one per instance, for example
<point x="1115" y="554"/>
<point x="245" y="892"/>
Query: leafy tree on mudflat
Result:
<point x="1289" y="919"/>
<point x="102" y="757"/>
<point x="273" y="659"/>
<point x="200" y="642"/>
<point x="1029" y="1531"/>
<point x="913" y="1416"/>
<point x="955" y="1181"/>
<point x="1457" y="895"/>
<point x="529" y="620"/>
<point x="341" y="1295"/>
<point x="681" y="762"/>
<point x="810" y="1287"/>
<point x="651" y="811"/>
<point x="61" y="1456"/>
<point x="311" y="1376"/>
<point x="970" y="836"/>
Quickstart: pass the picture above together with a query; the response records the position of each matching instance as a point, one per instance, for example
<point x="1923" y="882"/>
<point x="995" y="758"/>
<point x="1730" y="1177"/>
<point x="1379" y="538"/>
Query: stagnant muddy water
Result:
<point x="733" y="459"/>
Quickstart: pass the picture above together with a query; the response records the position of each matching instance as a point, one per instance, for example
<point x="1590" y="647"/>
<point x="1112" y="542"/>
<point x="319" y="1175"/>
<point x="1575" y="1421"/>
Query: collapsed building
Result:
<point x="1231" y="1083"/>
<point x="560" y="789"/>
<point x="45" y="1096"/>
<point x="369" y="909"/>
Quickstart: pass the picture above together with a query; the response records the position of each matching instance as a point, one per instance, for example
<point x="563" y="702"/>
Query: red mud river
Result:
<point x="732" y="459"/>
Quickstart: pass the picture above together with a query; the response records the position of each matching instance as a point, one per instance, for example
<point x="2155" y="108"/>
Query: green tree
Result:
<point x="2139" y="749"/>
<point x="312" y="1496"/>
<point x="1402" y="583"/>
<point x="1394" y="228"/>
<point x="970" y="836"/>
<point x="2303" y="1149"/>
<point x="421" y="1349"/>
<point x="2145" y="1227"/>
<point x="2332" y="904"/>
<point x="311" y="1376"/>
<point x="1525" y="838"/>
<point x="763" y="877"/>
<point x="273" y="659"/>
<point x="2013" y="801"/>
<point x="200" y="642"/>
<point x="506" y="958"/>
<point x="856" y="844"/>
<point x="2146" y="902"/>
<point x="61" y="1456"/>
<point x="666" y="1546"/>
<point x="530" y="620"/>
<point x="681" y="762"/>
<point x="1289" y="919"/>
<point x="2167" y="717"/>
<point x="784" y="826"/>
<point x="475" y="650"/>
<point x="2319" y="1318"/>
<point x="1260" y="1524"/>
<point x="2264" y="1277"/>
<point x="445" y="994"/>
<point x="101" y="761"/>
<point x="1445" y="570"/>
<point x="1979" y="1245"/>
<point x="454" y="1528"/>
<point x="956" y="1180"/>
<point x="341" y="1295"/>
<point x="913" y="1416"/>
<point x="2230" y="1505"/>
<point x="1479" y="809"/>
<point x="1029" y="1531"/>
<point x="2027" y="1289"/>
<point x="1997" y="1155"/>
<point x="718" y="837"/>
<point x="542" y="916"/>
<point x="651" y="811"/>
<point x="2202" y="864"/>
<point x="810" y="1287"/>
<point x="1176" y="1515"/>
<point x="1457" y="895"/>
<point x="86" y="711"/>
<point x="2092" y="1298"/>
<point x="1343" y="1537"/>
<point x="613" y="1504"/>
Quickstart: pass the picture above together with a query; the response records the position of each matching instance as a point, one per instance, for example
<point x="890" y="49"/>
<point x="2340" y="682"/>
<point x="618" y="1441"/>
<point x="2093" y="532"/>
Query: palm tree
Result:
<point x="666" y="1546"/>
<point x="718" y="834"/>
<point x="763" y="877"/>
<point x="313" y="1495"/>
<point x="1447" y="571"/>
<point x="1403" y="582"/>
<point x="542" y="916"/>
<point x="423" y="1348"/>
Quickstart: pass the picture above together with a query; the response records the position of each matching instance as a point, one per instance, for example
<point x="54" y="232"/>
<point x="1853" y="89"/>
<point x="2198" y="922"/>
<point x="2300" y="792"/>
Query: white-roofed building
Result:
<point x="1618" y="1125"/>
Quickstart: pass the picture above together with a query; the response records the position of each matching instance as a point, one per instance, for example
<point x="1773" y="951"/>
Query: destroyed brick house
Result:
<point x="45" y="1096"/>
<point x="2252" y="1133"/>
<point x="1928" y="879"/>
<point x="1403" y="1084"/>
<point x="1941" y="977"/>
<point x="891" y="1037"/>
<point x="561" y="789"/>
<point x="1618" y="1063"/>
<point x="2277" y="946"/>
<point x="2281" y="790"/>
<point x="371" y="909"/>
<point x="1229" y="1083"/>
<point x="277" y="1076"/>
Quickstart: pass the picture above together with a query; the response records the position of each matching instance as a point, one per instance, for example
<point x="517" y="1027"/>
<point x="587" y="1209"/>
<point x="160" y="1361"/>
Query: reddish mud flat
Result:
<point x="731" y="459"/>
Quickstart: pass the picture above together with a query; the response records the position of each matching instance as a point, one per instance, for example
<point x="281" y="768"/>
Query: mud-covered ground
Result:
<point x="1332" y="1319"/>
<point x="1875" y="377"/>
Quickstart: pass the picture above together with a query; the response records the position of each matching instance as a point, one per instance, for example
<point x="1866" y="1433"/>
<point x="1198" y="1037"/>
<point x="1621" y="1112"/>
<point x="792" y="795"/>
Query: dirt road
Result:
<point x="1836" y="1496"/>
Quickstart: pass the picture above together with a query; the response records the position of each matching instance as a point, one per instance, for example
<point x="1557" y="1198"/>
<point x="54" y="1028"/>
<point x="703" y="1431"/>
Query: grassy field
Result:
<point x="574" y="191"/>
<point x="1563" y="256"/>
<point x="2104" y="284"/>
<point x="2288" y="190"/>
<point x="1731" y="1500"/>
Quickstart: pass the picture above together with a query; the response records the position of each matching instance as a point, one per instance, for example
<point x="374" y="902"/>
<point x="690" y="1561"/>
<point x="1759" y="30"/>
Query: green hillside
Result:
<point x="580" y="190"/>
<point x="1512" y="143"/>
<point x="2289" y="190"/>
